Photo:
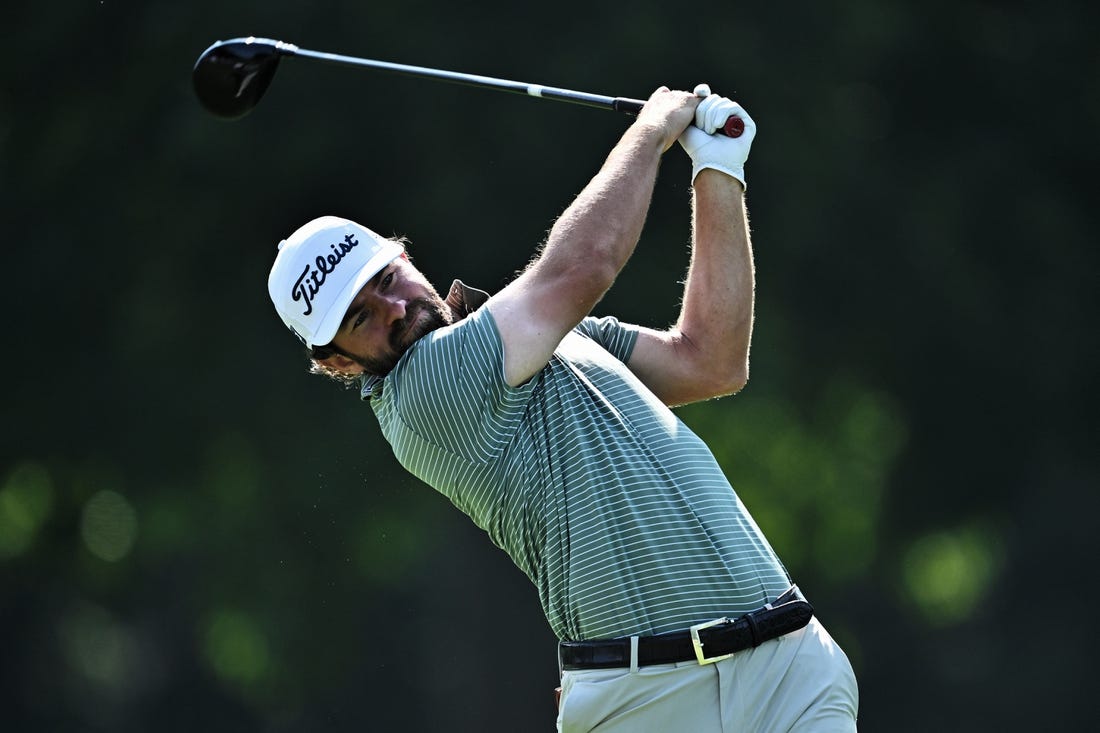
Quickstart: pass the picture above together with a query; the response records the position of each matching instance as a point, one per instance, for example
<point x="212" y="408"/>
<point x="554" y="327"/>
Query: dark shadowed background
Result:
<point x="197" y="535"/>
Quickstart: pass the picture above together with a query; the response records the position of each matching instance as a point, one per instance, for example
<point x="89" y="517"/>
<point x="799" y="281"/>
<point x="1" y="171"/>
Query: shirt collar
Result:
<point x="462" y="300"/>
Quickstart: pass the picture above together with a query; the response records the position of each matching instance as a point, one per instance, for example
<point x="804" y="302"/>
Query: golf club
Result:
<point x="231" y="76"/>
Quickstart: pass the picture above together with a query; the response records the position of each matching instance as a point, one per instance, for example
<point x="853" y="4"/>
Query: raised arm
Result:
<point x="706" y="354"/>
<point x="590" y="243"/>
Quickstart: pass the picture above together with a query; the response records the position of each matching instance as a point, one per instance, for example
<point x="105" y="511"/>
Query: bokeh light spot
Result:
<point x="947" y="573"/>
<point x="236" y="647"/>
<point x="99" y="647"/>
<point x="26" y="498"/>
<point x="109" y="525"/>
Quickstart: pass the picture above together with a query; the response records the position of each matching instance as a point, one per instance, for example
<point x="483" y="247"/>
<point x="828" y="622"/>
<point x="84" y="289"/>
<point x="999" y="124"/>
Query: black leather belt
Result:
<point x="706" y="642"/>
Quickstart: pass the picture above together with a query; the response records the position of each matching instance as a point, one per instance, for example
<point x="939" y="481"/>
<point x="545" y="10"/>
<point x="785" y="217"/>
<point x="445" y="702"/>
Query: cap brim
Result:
<point x="330" y="324"/>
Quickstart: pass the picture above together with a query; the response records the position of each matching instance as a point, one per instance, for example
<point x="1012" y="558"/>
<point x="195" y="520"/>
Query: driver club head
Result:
<point x="231" y="76"/>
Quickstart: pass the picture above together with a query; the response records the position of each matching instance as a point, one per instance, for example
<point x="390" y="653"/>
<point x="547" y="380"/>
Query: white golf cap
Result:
<point x="320" y="269"/>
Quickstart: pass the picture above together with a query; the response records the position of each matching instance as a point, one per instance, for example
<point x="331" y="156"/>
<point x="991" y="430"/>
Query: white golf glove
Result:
<point x="708" y="150"/>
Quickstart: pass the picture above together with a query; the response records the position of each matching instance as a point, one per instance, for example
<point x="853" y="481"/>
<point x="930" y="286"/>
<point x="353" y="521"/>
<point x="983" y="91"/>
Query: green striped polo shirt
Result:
<point x="617" y="512"/>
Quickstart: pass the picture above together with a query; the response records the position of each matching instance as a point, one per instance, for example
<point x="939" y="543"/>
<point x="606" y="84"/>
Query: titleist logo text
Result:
<point x="312" y="278"/>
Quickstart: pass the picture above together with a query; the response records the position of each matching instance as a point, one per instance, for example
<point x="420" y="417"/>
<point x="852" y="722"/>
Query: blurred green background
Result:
<point x="196" y="534"/>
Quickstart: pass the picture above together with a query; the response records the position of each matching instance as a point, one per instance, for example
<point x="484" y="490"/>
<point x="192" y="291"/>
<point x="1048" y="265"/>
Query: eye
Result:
<point x="387" y="280"/>
<point x="359" y="319"/>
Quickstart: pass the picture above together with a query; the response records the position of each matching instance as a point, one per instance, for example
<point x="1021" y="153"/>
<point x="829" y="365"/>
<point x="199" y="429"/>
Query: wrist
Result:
<point x="656" y="132"/>
<point x="719" y="180"/>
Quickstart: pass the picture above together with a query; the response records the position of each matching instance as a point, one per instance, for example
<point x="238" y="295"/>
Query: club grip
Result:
<point x="734" y="127"/>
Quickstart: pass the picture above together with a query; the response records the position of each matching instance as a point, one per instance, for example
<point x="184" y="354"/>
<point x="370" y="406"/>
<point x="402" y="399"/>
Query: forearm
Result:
<point x="706" y="354"/>
<point x="717" y="312"/>
<point x="590" y="243"/>
<point x="599" y="230"/>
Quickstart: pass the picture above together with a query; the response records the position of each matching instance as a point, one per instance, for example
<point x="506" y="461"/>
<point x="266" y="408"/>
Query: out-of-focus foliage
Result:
<point x="195" y="534"/>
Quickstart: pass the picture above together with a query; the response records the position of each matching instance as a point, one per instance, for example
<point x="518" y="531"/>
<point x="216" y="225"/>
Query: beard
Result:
<point x="422" y="316"/>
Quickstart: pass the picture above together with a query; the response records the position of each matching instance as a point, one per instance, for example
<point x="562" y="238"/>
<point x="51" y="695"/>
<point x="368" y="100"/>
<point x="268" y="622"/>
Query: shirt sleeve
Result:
<point x="616" y="337"/>
<point x="449" y="389"/>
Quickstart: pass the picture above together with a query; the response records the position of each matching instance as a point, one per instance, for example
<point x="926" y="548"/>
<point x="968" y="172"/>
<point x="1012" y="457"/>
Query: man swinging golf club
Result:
<point x="551" y="429"/>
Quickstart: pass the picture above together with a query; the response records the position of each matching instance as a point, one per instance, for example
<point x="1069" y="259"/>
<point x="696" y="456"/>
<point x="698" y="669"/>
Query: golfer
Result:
<point x="552" y="430"/>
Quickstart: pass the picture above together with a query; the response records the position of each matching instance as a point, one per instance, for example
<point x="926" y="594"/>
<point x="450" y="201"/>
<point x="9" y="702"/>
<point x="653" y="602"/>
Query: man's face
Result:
<point x="390" y="313"/>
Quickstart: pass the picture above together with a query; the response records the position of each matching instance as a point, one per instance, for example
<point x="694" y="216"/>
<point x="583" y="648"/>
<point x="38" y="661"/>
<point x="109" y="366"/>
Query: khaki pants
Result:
<point x="799" y="682"/>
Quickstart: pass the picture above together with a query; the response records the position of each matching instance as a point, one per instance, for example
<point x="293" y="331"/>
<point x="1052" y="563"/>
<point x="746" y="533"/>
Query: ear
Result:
<point x="341" y="363"/>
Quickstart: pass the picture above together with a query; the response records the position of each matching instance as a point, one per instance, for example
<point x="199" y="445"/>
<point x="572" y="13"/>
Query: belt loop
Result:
<point x="754" y="630"/>
<point x="633" y="654"/>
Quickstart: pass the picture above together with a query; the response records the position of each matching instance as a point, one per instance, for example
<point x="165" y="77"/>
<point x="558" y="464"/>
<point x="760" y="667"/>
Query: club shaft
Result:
<point x="618" y="104"/>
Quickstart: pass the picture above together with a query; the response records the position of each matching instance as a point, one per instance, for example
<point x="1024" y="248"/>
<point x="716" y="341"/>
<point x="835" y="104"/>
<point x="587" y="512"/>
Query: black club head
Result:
<point x="231" y="76"/>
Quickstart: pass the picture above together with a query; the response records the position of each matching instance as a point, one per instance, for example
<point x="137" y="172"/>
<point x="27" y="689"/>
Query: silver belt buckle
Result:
<point x="697" y="643"/>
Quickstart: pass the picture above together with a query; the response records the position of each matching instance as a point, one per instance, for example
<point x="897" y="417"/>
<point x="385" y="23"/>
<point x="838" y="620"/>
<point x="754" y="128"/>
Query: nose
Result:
<point x="395" y="309"/>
